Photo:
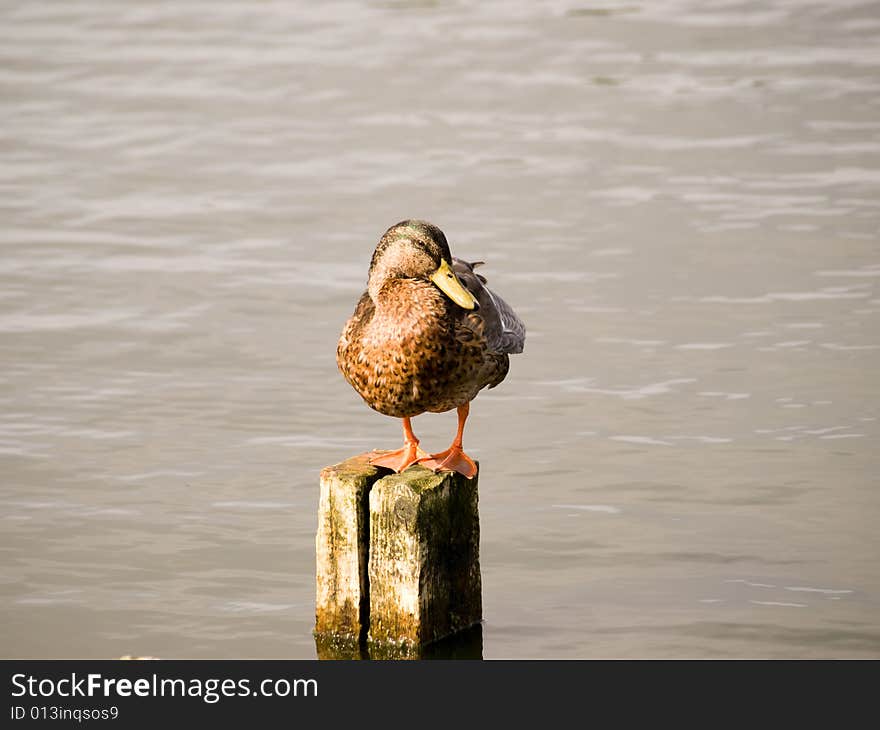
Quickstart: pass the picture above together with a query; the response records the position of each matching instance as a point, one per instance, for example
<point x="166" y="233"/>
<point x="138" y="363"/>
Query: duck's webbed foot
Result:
<point x="399" y="459"/>
<point x="402" y="458"/>
<point x="453" y="459"/>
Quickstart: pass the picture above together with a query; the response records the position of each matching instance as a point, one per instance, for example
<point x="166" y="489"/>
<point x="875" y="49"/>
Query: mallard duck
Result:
<point x="426" y="336"/>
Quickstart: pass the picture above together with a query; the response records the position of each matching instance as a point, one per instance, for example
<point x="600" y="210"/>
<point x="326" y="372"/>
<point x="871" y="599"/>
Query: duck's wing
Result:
<point x="363" y="313"/>
<point x="501" y="329"/>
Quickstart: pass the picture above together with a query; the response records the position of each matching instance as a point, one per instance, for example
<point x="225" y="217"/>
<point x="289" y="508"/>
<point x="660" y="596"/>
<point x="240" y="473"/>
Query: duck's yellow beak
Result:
<point x="449" y="284"/>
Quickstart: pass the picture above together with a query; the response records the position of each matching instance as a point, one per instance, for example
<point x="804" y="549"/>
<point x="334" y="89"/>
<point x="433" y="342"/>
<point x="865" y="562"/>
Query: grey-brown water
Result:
<point x="681" y="199"/>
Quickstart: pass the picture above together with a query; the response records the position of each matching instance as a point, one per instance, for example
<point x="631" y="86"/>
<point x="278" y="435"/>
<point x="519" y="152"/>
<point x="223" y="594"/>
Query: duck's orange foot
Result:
<point x="453" y="459"/>
<point x="399" y="459"/>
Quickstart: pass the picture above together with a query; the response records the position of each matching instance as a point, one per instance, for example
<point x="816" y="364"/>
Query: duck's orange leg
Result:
<point x="454" y="458"/>
<point x="401" y="458"/>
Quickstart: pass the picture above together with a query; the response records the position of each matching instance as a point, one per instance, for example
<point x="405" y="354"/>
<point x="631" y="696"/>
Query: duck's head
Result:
<point x="416" y="249"/>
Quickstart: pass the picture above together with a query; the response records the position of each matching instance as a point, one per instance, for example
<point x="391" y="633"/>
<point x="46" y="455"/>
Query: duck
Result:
<point x="426" y="336"/>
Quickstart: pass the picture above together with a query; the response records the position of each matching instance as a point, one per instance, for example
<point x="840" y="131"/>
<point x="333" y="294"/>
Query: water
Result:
<point x="681" y="199"/>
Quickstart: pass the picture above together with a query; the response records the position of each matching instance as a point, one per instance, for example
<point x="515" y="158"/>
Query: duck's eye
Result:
<point x="449" y="276"/>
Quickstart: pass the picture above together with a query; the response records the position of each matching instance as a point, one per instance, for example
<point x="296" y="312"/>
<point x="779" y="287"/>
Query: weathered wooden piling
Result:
<point x="342" y="600"/>
<point x="397" y="558"/>
<point x="424" y="556"/>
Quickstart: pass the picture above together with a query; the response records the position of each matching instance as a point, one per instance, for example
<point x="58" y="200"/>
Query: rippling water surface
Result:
<point x="682" y="199"/>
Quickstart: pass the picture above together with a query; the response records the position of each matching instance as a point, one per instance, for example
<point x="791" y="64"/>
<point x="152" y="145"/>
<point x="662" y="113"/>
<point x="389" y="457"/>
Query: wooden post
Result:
<point x="342" y="601"/>
<point x="424" y="557"/>
<point x="398" y="559"/>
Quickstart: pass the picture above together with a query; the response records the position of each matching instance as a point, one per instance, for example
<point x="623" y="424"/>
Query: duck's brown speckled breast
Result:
<point x="404" y="356"/>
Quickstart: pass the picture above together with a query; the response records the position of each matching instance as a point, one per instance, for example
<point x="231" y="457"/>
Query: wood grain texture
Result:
<point x="424" y="562"/>
<point x="341" y="544"/>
